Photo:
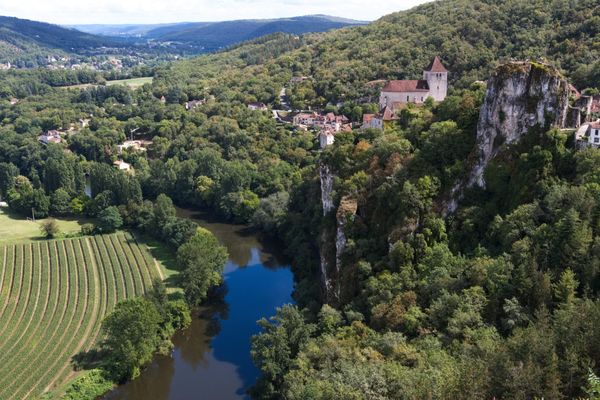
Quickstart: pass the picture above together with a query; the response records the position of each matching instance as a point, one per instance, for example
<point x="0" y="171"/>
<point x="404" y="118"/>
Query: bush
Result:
<point x="49" y="228"/>
<point x="88" y="386"/>
<point x="87" y="229"/>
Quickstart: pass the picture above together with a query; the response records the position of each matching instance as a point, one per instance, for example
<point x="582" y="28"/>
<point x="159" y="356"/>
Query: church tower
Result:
<point x="436" y="76"/>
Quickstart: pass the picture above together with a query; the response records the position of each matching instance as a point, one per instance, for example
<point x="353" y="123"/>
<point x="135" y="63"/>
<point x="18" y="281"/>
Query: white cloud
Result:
<point x="156" y="11"/>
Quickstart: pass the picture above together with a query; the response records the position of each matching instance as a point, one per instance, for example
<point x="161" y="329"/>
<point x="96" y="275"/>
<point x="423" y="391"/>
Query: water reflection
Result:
<point x="211" y="359"/>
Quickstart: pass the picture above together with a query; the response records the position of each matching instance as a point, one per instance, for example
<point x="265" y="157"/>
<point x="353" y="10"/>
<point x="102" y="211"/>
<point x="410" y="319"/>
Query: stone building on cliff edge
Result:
<point x="434" y="84"/>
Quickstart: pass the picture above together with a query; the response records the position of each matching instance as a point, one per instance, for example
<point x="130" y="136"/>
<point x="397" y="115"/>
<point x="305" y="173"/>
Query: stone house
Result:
<point x="122" y="165"/>
<point x="50" y="137"/>
<point x="588" y="135"/>
<point x="257" y="106"/>
<point x="434" y="84"/>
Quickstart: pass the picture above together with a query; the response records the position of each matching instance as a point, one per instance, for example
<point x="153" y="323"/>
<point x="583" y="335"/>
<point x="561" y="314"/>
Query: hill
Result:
<point x="211" y="36"/>
<point x="55" y="295"/>
<point x="471" y="37"/>
<point x="30" y="43"/>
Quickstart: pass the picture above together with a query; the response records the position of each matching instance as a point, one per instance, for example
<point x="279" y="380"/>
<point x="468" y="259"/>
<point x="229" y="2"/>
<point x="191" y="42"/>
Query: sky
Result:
<point x="72" y="12"/>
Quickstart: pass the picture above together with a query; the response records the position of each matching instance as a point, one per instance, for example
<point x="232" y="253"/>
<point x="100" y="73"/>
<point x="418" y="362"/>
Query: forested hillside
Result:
<point x="30" y="43"/>
<point x="471" y="37"/>
<point x="498" y="299"/>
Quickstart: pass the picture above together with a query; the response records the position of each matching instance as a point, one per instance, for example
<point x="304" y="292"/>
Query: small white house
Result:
<point x="257" y="107"/>
<point x="122" y="165"/>
<point x="326" y="138"/>
<point x="594" y="133"/>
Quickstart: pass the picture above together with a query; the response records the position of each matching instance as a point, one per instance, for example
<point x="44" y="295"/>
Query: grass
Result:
<point x="15" y="228"/>
<point x="133" y="83"/>
<point x="53" y="297"/>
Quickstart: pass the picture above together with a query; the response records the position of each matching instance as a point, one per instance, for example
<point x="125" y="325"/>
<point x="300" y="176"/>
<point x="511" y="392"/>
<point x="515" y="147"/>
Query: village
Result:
<point x="395" y="95"/>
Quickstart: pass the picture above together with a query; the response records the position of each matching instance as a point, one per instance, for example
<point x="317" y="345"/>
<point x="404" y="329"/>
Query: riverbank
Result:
<point x="211" y="358"/>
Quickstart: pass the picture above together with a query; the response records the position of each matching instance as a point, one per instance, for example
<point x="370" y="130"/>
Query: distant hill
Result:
<point x="26" y="43"/>
<point x="210" y="36"/>
<point x="48" y="35"/>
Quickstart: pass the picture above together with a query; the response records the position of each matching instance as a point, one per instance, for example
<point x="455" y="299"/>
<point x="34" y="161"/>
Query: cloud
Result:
<point x="157" y="11"/>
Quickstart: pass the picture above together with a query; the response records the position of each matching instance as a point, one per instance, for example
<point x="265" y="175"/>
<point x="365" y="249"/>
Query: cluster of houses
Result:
<point x="52" y="136"/>
<point x="397" y="93"/>
<point x="394" y="96"/>
<point x="327" y="125"/>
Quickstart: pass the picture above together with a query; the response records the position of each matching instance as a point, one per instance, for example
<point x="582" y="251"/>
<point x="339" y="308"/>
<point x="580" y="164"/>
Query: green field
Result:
<point x="15" y="228"/>
<point x="53" y="297"/>
<point x="133" y="83"/>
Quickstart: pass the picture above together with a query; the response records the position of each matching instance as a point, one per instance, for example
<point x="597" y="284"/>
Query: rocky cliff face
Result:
<point x="326" y="188"/>
<point x="520" y="96"/>
<point x="345" y="214"/>
<point x="333" y="242"/>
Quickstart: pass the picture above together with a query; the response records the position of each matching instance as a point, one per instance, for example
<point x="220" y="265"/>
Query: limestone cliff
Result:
<point x="345" y="214"/>
<point x="520" y="96"/>
<point x="326" y="177"/>
<point x="333" y="241"/>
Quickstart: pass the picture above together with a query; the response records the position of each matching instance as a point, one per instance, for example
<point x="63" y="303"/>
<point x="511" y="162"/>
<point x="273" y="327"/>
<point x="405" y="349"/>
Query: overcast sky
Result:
<point x="155" y="11"/>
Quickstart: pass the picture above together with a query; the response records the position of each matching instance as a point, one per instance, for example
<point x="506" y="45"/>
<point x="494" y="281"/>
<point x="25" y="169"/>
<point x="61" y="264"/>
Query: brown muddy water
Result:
<point x="211" y="359"/>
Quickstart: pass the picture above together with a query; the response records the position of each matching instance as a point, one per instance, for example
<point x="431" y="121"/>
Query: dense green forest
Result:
<point x="497" y="300"/>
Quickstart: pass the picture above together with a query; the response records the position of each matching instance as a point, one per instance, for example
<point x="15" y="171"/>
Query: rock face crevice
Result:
<point x="520" y="96"/>
<point x="345" y="214"/>
<point x="333" y="240"/>
<point x="326" y="188"/>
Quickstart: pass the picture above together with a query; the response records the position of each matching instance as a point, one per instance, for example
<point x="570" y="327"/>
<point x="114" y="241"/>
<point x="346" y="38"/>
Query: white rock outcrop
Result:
<point x="520" y="96"/>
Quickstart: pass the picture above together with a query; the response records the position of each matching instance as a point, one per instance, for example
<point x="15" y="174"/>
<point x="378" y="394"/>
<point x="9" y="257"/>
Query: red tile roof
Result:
<point x="436" y="66"/>
<point x="388" y="114"/>
<point x="595" y="125"/>
<point x="406" y="86"/>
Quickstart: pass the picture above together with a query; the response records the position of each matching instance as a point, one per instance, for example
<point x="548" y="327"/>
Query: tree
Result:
<point x="8" y="173"/>
<point x="271" y="212"/>
<point x="163" y="210"/>
<point x="202" y="260"/>
<point x="132" y="335"/>
<point x="109" y="220"/>
<point x="274" y="349"/>
<point x="49" y="228"/>
<point x="60" y="202"/>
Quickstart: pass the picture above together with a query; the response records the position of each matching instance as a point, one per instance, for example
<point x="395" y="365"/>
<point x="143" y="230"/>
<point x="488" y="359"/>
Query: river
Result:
<point x="211" y="359"/>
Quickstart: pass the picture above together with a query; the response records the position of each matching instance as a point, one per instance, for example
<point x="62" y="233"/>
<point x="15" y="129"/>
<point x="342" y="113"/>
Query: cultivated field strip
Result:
<point x="53" y="297"/>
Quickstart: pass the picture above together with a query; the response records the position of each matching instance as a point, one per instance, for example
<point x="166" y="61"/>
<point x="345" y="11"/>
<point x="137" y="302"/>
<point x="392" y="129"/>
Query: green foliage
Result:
<point x="49" y="228"/>
<point x="88" y="386"/>
<point x="132" y="336"/>
<point x="201" y="260"/>
<point x="109" y="220"/>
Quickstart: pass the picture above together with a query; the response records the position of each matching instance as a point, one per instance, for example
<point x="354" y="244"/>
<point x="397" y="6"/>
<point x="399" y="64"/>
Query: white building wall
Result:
<point x="438" y="84"/>
<point x="389" y="98"/>
<point x="594" y="136"/>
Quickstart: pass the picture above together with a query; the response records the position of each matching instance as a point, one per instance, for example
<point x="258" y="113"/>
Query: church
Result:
<point x="434" y="84"/>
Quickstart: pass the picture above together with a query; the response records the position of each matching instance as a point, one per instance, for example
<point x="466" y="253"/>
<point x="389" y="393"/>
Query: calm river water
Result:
<point x="211" y="360"/>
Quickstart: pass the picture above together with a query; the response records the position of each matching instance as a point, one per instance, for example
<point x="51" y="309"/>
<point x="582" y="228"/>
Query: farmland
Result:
<point x="133" y="83"/>
<point x="53" y="297"/>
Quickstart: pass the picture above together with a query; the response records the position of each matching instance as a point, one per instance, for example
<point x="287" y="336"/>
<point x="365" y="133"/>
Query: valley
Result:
<point x="297" y="209"/>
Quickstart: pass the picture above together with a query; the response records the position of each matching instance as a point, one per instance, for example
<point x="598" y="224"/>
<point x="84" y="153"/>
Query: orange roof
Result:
<point x="406" y="86"/>
<point x="436" y="66"/>
<point x="388" y="114"/>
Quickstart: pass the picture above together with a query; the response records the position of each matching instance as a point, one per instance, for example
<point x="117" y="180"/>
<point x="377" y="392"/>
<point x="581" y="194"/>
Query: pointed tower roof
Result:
<point x="436" y="66"/>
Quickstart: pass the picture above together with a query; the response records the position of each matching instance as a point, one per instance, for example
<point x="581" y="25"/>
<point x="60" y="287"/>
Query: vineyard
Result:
<point x="53" y="297"/>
